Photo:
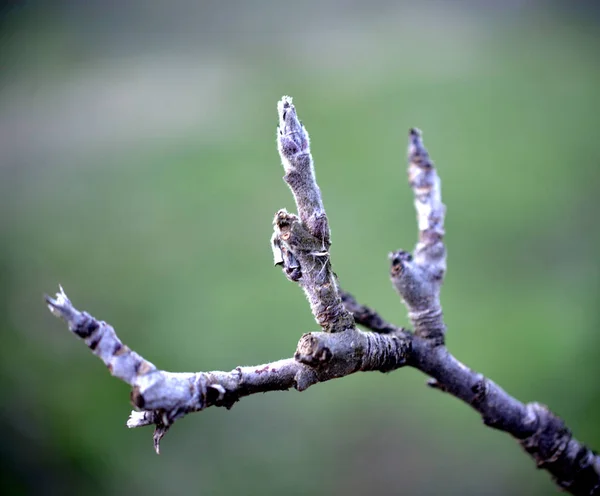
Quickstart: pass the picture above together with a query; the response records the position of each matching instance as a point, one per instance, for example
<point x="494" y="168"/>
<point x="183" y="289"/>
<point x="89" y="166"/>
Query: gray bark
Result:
<point x="301" y="247"/>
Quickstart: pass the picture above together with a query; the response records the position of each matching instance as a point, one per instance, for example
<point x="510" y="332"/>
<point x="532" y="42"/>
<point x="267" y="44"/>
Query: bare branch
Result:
<point x="418" y="277"/>
<point x="301" y="246"/>
<point x="294" y="148"/>
<point x="166" y="396"/>
<point x="541" y="433"/>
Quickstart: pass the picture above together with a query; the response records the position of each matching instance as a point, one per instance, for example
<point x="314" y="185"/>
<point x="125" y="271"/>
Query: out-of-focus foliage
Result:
<point x="138" y="168"/>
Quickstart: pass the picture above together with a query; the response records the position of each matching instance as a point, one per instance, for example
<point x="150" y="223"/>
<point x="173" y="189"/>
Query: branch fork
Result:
<point x="300" y="245"/>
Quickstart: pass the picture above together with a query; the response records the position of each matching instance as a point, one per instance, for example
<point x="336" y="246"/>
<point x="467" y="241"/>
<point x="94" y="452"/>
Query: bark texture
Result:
<point x="300" y="246"/>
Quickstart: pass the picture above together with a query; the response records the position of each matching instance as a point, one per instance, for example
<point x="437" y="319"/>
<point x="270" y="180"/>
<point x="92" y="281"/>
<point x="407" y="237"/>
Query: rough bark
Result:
<point x="301" y="247"/>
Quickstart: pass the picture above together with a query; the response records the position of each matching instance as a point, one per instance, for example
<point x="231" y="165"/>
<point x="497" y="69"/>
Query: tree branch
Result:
<point x="418" y="278"/>
<point x="301" y="247"/>
<point x="166" y="396"/>
<point x="542" y="434"/>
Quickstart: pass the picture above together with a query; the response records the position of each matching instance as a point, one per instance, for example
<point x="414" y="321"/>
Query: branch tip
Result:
<point x="60" y="306"/>
<point x="292" y="136"/>
<point x="301" y="243"/>
<point x="415" y="132"/>
<point x="159" y="433"/>
<point x="418" y="276"/>
<point x="417" y="153"/>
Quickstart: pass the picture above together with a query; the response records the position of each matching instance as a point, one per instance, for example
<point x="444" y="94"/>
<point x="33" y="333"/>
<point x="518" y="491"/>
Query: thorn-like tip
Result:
<point x="159" y="432"/>
<point x="287" y="113"/>
<point x="53" y="305"/>
<point x="286" y="101"/>
<point x="61" y="298"/>
<point x="283" y="105"/>
<point x="60" y="306"/>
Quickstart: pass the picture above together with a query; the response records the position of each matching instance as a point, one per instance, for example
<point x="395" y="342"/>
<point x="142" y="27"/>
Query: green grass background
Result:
<point x="139" y="170"/>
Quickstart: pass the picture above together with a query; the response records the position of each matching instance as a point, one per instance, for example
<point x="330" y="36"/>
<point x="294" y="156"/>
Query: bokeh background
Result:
<point x="138" y="169"/>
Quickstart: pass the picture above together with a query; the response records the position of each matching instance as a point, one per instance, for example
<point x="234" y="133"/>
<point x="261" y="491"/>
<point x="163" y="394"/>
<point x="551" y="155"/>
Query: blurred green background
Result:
<point x="138" y="168"/>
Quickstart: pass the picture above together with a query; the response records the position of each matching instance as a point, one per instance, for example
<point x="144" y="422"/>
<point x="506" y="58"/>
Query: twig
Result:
<point x="368" y="317"/>
<point x="166" y="396"/>
<point x="301" y="247"/>
<point x="418" y="277"/>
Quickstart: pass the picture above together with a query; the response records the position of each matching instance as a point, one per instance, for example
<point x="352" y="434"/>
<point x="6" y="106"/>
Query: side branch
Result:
<point x="369" y="318"/>
<point x="301" y="245"/>
<point x="418" y="277"/>
<point x="542" y="434"/>
<point x="294" y="148"/>
<point x="165" y="396"/>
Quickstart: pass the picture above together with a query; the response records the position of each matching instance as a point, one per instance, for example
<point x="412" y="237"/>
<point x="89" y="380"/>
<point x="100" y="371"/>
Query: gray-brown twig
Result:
<point x="301" y="247"/>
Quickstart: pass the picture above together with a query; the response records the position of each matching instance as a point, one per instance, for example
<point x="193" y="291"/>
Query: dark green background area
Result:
<point x="138" y="169"/>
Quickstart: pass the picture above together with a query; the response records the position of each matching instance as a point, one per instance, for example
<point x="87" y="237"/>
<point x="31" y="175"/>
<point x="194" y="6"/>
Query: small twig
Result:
<point x="301" y="245"/>
<point x="165" y="396"/>
<point x="367" y="317"/>
<point x="418" y="277"/>
<point x="293" y="144"/>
